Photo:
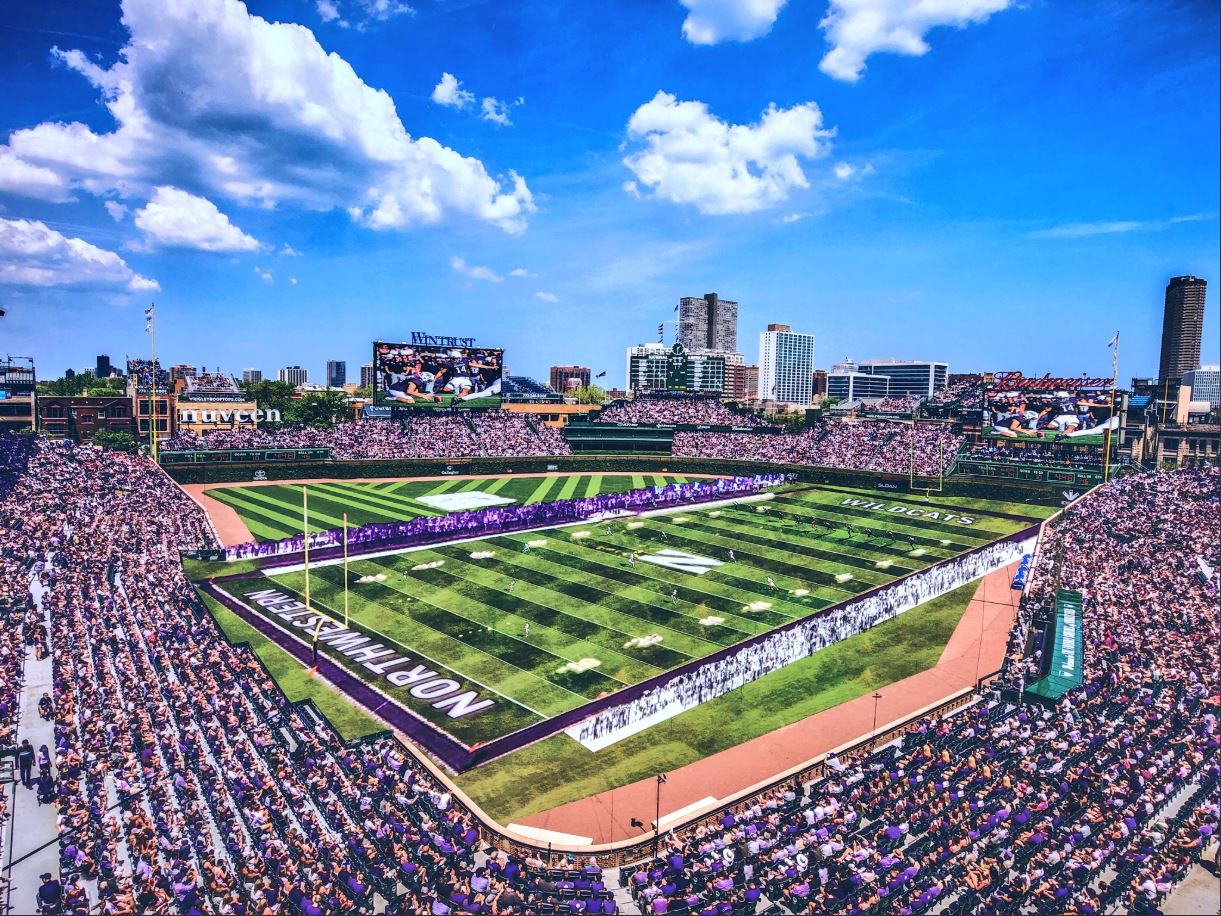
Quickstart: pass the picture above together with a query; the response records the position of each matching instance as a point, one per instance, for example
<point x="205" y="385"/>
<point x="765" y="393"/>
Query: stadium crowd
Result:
<point x="708" y="411"/>
<point x="1100" y="803"/>
<point x="441" y="434"/>
<point x="968" y="391"/>
<point x="229" y="800"/>
<point x="905" y="405"/>
<point x="233" y="801"/>
<point x="1036" y="454"/>
<point x="866" y="445"/>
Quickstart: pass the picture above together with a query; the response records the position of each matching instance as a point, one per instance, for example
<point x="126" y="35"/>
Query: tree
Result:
<point x="118" y="440"/>
<point x="269" y="395"/>
<point x="322" y="409"/>
<point x="65" y="387"/>
<point x="590" y="394"/>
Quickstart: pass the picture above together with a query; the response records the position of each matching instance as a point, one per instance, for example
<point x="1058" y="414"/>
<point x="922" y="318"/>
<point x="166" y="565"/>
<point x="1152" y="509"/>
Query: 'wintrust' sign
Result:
<point x="227" y="417"/>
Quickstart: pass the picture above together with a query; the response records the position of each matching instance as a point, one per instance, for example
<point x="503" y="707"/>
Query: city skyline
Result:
<point x="879" y="200"/>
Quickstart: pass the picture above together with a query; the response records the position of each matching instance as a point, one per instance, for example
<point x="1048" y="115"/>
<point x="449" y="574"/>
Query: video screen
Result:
<point x="414" y="375"/>
<point x="1068" y="414"/>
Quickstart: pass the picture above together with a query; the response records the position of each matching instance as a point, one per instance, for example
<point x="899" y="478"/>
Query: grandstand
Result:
<point x="208" y="386"/>
<point x="185" y="778"/>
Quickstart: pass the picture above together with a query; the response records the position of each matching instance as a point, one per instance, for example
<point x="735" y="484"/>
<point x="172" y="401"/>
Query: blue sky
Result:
<point x="1005" y="200"/>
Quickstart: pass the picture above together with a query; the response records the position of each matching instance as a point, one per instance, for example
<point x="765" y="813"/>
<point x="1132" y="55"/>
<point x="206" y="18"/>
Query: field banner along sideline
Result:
<point x="760" y="657"/>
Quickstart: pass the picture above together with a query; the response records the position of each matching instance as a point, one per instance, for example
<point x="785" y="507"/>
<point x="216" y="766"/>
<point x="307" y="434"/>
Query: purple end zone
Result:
<point x="448" y="749"/>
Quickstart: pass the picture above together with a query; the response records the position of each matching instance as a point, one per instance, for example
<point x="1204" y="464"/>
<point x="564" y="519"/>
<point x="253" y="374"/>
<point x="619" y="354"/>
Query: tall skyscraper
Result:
<point x="104" y="369"/>
<point x="708" y="323"/>
<point x="786" y="365"/>
<point x="252" y="375"/>
<point x="1182" y="324"/>
<point x="336" y="373"/>
<point x="366" y="375"/>
<point x="294" y="375"/>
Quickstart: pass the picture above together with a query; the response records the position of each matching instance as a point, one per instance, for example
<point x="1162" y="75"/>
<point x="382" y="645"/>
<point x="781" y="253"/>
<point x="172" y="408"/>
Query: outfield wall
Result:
<point x="991" y="488"/>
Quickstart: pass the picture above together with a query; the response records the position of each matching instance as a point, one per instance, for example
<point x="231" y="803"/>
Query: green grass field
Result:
<point x="596" y="622"/>
<point x="558" y="770"/>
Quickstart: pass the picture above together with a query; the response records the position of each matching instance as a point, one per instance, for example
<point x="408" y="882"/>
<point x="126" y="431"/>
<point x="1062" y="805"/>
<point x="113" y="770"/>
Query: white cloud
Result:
<point x="521" y="272"/>
<point x="793" y="217"/>
<point x="292" y="280"/>
<point x="687" y="155"/>
<point x="328" y="11"/>
<point x="20" y="177"/>
<point x="117" y="211"/>
<point x="363" y="12"/>
<point x="844" y="171"/>
<point x="856" y="29"/>
<point x="280" y="123"/>
<point x="494" y="110"/>
<point x="450" y="92"/>
<point x="547" y="297"/>
<point x="34" y="255"/>
<point x="474" y="271"/>
<point x="176" y="219"/>
<point x="711" y="21"/>
<point x="383" y="10"/>
<point x="1117" y="227"/>
<point x="265" y="275"/>
<point x="289" y="251"/>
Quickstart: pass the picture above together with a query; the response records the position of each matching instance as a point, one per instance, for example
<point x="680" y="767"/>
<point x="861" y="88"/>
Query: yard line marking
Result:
<point x="541" y="491"/>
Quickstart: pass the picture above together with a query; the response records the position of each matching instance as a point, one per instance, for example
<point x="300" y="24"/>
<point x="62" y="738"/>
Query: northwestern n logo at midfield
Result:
<point x="682" y="561"/>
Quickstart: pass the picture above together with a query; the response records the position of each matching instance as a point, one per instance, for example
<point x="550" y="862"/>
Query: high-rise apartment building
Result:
<point x="566" y="378"/>
<point x="1182" y="324"/>
<point x="294" y="375"/>
<point x="786" y="365"/>
<point x="182" y="370"/>
<point x="708" y="323"/>
<point x="741" y="382"/>
<point x="819" y="382"/>
<point x="909" y="377"/>
<point x="103" y="368"/>
<point x="366" y="375"/>
<point x="252" y="375"/>
<point x="336" y="373"/>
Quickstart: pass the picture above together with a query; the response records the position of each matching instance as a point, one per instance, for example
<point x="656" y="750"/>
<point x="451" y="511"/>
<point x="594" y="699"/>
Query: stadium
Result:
<point x="391" y="526"/>
<point x="440" y="659"/>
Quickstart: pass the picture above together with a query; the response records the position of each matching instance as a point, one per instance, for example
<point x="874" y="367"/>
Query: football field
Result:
<point x="544" y="621"/>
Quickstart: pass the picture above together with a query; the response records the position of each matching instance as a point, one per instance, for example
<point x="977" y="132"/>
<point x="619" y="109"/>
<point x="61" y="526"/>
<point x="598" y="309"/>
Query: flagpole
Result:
<point x="345" y="569"/>
<point x="151" y="312"/>
<point x="1106" y="458"/>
